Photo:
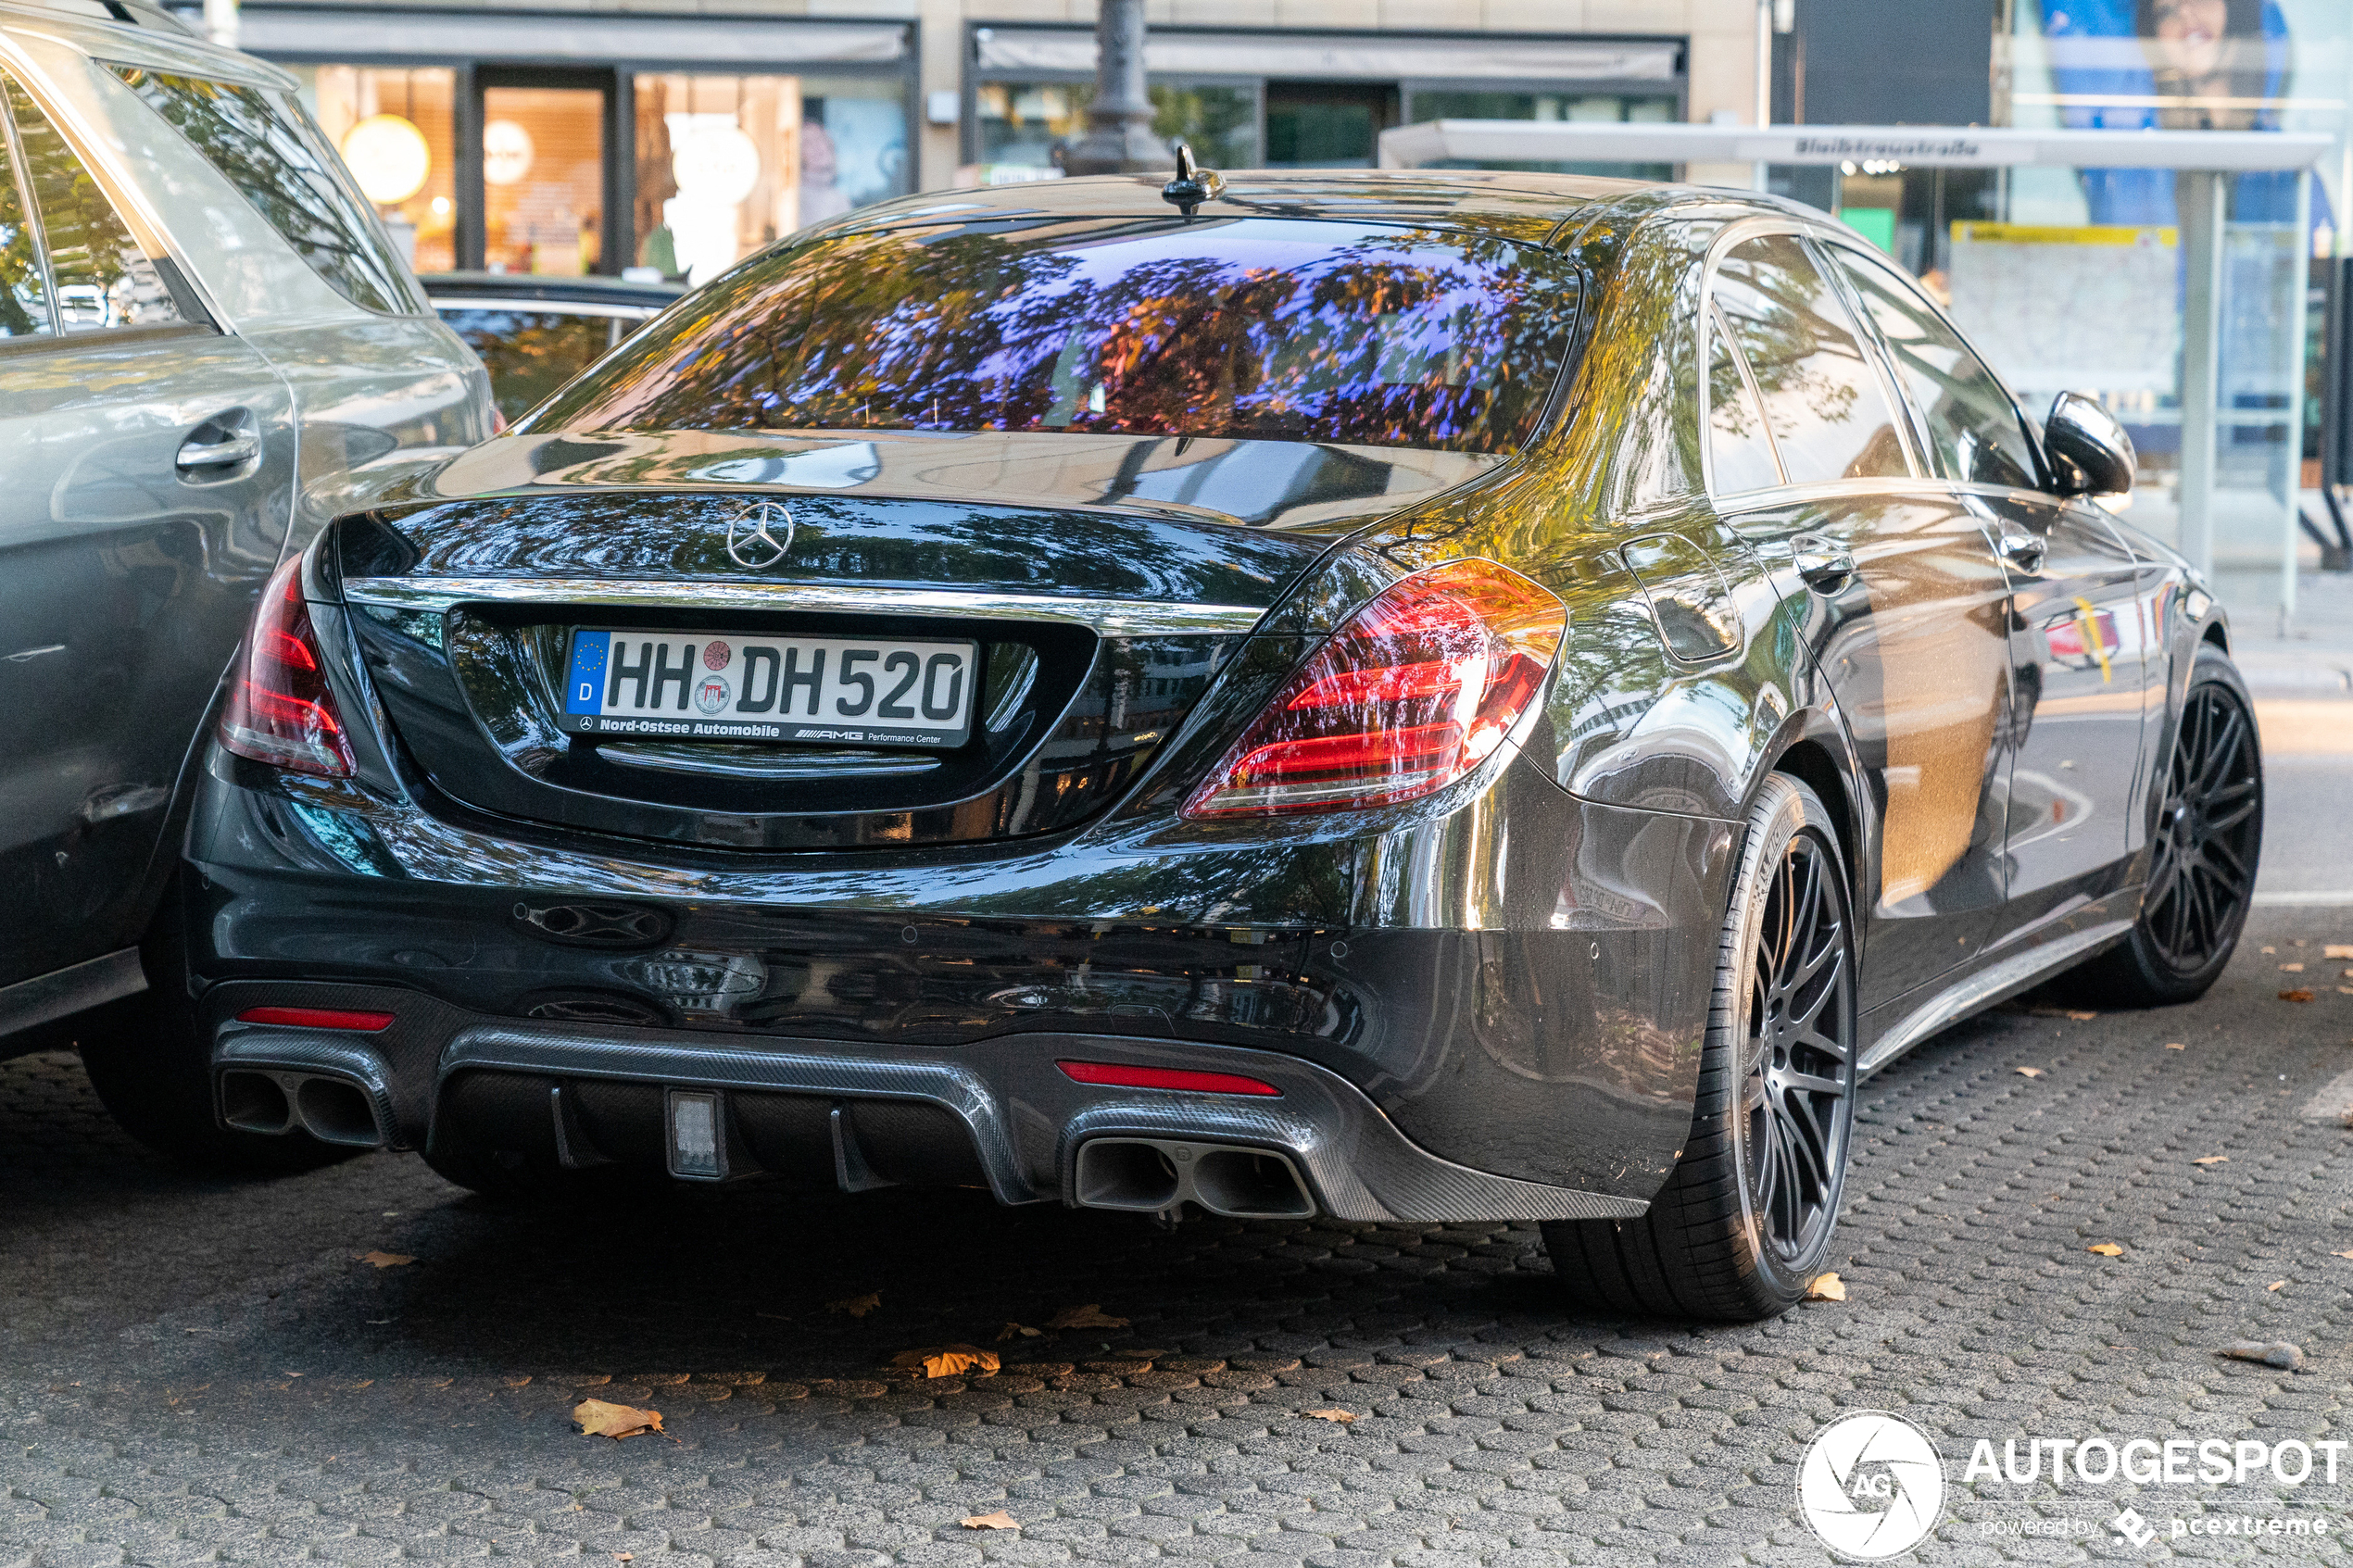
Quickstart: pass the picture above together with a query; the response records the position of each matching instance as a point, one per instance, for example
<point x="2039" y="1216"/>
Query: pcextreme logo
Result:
<point x="1871" y="1485"/>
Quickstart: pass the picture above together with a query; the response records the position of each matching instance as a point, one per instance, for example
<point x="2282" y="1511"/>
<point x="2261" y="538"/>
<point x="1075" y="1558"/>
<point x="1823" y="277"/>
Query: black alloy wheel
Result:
<point x="1746" y="1219"/>
<point x="1796" y="1094"/>
<point x="2203" y="848"/>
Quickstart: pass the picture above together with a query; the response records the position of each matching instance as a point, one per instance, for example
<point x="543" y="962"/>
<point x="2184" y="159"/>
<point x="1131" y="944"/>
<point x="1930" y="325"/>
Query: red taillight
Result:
<point x="280" y="710"/>
<point x="319" y="1018"/>
<point x="1414" y="691"/>
<point x="1122" y="1077"/>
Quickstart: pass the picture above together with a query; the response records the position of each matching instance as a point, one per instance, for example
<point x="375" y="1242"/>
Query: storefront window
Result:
<point x="543" y="171"/>
<point x="728" y="164"/>
<point x="395" y="130"/>
<point x="1020" y="123"/>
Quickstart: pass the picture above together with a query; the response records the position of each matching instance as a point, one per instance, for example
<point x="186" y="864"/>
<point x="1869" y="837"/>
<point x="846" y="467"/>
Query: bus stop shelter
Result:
<point x="2193" y="334"/>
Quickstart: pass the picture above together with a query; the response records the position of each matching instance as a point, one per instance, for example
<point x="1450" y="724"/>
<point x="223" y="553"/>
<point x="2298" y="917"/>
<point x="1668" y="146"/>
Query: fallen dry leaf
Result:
<point x="2345" y="990"/>
<point x="1826" y="1287"/>
<point x="1338" y="1418"/>
<point x="1000" y="1520"/>
<point x="2275" y="1284"/>
<point x="385" y="1259"/>
<point x="625" y="1556"/>
<point x="2291" y="968"/>
<point x="600" y="1418"/>
<point x="2106" y="1249"/>
<point x="2175" y="1046"/>
<point x="2213" y="1159"/>
<point x="1087" y="1316"/>
<point x="1017" y="1331"/>
<point x="518" y="1382"/>
<point x="947" y="1360"/>
<point x="2029" y="1073"/>
<point x="2347" y="1254"/>
<point x="856" y="1306"/>
<point x="2298" y="995"/>
<point x="2337" y="950"/>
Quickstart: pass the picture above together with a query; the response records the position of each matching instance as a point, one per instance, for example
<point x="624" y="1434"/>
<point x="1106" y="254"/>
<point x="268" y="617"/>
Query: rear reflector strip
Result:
<point x="1124" y="1077"/>
<point x="318" y="1018"/>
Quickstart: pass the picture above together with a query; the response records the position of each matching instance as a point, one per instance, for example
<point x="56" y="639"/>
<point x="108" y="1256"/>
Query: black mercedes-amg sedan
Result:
<point x="1421" y="697"/>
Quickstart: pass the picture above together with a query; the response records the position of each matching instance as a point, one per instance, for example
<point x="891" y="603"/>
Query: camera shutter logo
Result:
<point x="1871" y="1485"/>
<point x="760" y="534"/>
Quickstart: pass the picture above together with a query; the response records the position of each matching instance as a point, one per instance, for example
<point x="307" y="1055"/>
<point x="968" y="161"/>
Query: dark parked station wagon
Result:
<point x="1426" y="698"/>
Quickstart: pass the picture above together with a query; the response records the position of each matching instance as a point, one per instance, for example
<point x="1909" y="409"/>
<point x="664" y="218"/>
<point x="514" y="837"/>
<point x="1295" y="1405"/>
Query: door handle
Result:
<point x="2024" y="551"/>
<point x="224" y="453"/>
<point x="1825" y="564"/>
<point x="228" y="440"/>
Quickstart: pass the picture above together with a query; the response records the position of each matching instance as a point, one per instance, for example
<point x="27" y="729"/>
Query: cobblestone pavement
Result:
<point x="192" y="1371"/>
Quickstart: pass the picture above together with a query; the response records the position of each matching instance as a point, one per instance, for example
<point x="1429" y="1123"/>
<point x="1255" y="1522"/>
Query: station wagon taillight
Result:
<point x="280" y="710"/>
<point x="1412" y="691"/>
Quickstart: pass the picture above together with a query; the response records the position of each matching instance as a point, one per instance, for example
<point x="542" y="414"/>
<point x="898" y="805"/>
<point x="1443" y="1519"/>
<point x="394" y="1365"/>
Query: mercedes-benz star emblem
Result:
<point x="760" y="534"/>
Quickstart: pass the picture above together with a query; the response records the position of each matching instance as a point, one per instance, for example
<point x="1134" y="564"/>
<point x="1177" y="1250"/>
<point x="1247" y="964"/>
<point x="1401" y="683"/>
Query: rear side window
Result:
<point x="261" y="144"/>
<point x="102" y="277"/>
<point x="1972" y="427"/>
<point x="531" y="353"/>
<point x="1739" y="451"/>
<point x="1824" y="401"/>
<point x="24" y="285"/>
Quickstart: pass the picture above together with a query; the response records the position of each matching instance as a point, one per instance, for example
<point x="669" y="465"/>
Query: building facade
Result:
<point x="597" y="137"/>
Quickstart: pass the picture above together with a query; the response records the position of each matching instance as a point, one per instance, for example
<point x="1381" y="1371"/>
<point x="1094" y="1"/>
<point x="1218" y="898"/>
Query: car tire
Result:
<point x="1746" y="1220"/>
<point x="2205" y="841"/>
<point x="149" y="1060"/>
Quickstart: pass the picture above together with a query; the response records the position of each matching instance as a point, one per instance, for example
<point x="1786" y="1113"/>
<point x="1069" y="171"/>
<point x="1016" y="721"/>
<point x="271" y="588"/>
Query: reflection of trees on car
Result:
<point x="1389" y="336"/>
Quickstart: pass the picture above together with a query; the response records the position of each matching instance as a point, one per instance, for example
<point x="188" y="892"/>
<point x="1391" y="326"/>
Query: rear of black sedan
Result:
<point x="1048" y="695"/>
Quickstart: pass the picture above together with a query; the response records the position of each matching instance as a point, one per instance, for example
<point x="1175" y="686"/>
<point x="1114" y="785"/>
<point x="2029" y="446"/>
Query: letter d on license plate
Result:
<point x="721" y="685"/>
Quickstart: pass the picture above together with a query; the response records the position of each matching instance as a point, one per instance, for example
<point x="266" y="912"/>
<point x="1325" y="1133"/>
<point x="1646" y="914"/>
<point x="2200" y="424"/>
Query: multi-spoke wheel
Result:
<point x="2202" y="851"/>
<point x="1746" y="1218"/>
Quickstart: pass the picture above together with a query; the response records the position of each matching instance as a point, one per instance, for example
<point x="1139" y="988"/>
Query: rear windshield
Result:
<point x="1285" y="329"/>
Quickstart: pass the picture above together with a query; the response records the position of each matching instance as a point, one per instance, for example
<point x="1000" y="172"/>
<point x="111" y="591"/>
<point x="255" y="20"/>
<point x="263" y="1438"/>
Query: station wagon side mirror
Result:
<point x="2088" y="448"/>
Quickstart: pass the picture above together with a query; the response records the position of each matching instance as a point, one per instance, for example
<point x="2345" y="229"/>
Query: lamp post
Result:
<point x="1119" y="137"/>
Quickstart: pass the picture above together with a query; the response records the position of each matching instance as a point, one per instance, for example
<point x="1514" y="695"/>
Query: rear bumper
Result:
<point x="1518" y="984"/>
<point x="998" y="1113"/>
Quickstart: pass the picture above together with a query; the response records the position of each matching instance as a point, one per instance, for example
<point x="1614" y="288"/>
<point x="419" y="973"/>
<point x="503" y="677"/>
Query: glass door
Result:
<point x="543" y="171"/>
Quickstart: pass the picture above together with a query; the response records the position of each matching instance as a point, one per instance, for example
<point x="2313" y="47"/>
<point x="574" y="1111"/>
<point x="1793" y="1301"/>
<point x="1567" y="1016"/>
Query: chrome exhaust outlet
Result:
<point x="1156" y="1175"/>
<point x="331" y="1109"/>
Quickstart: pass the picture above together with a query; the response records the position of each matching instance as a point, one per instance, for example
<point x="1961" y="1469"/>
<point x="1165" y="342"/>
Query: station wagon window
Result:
<point x="103" y="279"/>
<point x="1972" y="426"/>
<point x="24" y="284"/>
<point x="1739" y="449"/>
<point x="263" y="146"/>
<point x="1824" y="401"/>
<point x="1277" y="328"/>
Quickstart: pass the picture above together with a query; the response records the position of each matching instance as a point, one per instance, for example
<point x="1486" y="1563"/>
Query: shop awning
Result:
<point x="358" y="35"/>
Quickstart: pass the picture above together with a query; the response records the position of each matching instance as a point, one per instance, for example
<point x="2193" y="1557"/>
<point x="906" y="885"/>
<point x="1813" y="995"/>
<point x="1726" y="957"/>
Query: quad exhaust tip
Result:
<point x="1155" y="1175"/>
<point x="331" y="1109"/>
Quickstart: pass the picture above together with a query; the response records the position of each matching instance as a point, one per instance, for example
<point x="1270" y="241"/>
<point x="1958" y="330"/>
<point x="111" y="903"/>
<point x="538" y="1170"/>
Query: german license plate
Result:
<point x="720" y="685"/>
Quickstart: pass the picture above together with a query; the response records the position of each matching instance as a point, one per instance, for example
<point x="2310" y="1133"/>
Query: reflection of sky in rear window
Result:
<point x="1265" y="327"/>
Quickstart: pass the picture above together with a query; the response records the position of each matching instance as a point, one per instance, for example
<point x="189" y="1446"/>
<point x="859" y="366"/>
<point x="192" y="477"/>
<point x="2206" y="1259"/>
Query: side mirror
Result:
<point x="2090" y="450"/>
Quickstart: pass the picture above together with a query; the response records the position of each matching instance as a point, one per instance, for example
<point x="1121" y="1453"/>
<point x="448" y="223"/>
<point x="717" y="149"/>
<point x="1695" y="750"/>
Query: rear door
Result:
<point x="149" y="458"/>
<point x="1904" y="599"/>
<point x="2076" y="646"/>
